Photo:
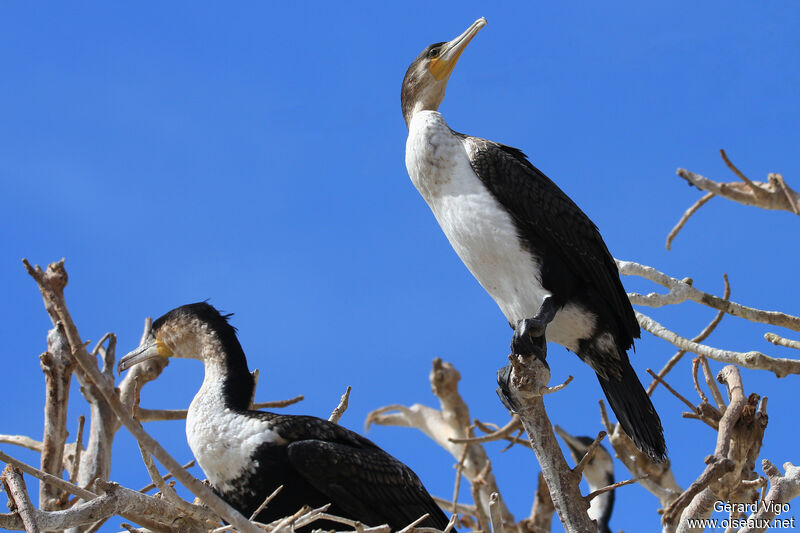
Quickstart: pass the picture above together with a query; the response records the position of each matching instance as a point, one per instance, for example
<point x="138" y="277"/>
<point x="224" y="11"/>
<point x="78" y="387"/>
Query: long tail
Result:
<point x="635" y="411"/>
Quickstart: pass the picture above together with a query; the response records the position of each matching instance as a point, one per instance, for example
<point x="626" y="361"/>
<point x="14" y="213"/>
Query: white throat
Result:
<point x="222" y="440"/>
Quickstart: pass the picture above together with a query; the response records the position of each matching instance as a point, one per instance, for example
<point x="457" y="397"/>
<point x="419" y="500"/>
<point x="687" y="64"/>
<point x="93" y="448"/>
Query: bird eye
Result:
<point x="433" y="52"/>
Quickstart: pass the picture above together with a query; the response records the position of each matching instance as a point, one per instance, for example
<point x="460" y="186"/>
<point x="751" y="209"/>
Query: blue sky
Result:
<point x="253" y="154"/>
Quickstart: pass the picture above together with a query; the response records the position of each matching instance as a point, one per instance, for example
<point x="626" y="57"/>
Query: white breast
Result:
<point x="222" y="441"/>
<point x="479" y="229"/>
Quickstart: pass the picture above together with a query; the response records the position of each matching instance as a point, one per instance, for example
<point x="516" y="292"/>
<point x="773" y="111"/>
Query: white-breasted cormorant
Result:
<point x="598" y="472"/>
<point x="247" y="454"/>
<point x="526" y="242"/>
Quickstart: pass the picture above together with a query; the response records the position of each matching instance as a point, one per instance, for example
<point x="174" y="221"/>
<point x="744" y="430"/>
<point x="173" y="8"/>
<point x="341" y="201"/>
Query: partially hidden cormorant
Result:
<point x="247" y="454"/>
<point x="598" y="472"/>
<point x="526" y="242"/>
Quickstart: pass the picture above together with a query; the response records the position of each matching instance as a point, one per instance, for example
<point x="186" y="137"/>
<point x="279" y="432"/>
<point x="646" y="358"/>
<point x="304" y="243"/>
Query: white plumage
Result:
<point x="223" y="441"/>
<point x="480" y="230"/>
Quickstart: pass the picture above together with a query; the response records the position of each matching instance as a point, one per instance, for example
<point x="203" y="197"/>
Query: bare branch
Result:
<point x="703" y="335"/>
<point x="685" y="218"/>
<point x="659" y="481"/>
<point x="773" y="195"/>
<point x="669" y="388"/>
<point x="783" y="489"/>
<point x="589" y="453"/>
<point x="451" y="422"/>
<point x="22" y="441"/>
<point x="513" y="425"/>
<point x="712" y="385"/>
<point x="342" y="407"/>
<point x="780" y="341"/>
<point x="592" y="495"/>
<point x="54" y="299"/>
<point x="48" y="478"/>
<point x="754" y="360"/>
<point x="542" y="511"/>
<point x="57" y="364"/>
<point x="494" y="514"/>
<point x="681" y="291"/>
<point x="18" y="493"/>
<point x="160" y="415"/>
<point x="198" y="513"/>
<point x="166" y="476"/>
<point x="521" y="384"/>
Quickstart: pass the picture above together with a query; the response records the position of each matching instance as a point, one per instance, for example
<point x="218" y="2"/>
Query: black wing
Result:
<point x="550" y="221"/>
<point x="360" y="479"/>
<point x="366" y="483"/>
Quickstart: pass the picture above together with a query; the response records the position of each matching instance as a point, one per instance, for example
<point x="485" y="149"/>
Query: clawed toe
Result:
<point x="529" y="337"/>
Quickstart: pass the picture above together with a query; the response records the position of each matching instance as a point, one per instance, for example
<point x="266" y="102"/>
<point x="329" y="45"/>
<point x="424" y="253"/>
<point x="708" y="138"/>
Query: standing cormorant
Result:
<point x="598" y="472"/>
<point x="247" y="454"/>
<point x="526" y="242"/>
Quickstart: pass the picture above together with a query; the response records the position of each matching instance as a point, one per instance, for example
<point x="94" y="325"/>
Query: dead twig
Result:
<point x="342" y="407"/>
<point x="703" y="335"/>
<point x="18" y="493"/>
<point x="686" y="215"/>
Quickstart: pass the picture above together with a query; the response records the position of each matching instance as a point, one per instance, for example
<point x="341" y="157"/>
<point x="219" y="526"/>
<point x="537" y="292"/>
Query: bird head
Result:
<point x="426" y="79"/>
<point x="194" y="331"/>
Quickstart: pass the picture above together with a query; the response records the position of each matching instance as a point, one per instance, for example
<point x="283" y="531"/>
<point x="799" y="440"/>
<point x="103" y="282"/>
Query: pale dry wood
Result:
<point x="77" y="451"/>
<point x="527" y="379"/>
<point x="449" y="422"/>
<point x="461" y="508"/>
<point x="775" y="194"/>
<point x="494" y="514"/>
<point x="18" y="494"/>
<point x="781" y="341"/>
<point x="54" y="301"/>
<point x="712" y="385"/>
<point x="47" y="478"/>
<point x="22" y="441"/>
<point x="513" y="425"/>
<point x="344" y="401"/>
<point x="781" y="367"/>
<point x="160" y="415"/>
<point x="542" y="510"/>
<point x="685" y="218"/>
<point x="659" y="479"/>
<point x="589" y="452"/>
<point x="57" y="365"/>
<point x="681" y="291"/>
<point x="266" y="502"/>
<point x="783" y="488"/>
<point x="592" y="495"/>
<point x="166" y="477"/>
<point x="738" y="442"/>
<point x="195" y="511"/>
<point x="703" y="335"/>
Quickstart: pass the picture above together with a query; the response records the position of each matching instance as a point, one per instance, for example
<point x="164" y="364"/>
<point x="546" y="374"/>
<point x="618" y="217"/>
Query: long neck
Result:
<point x="227" y="375"/>
<point x="601" y="506"/>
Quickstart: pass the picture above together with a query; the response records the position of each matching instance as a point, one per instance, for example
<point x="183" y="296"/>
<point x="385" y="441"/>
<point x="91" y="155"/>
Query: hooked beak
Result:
<point x="443" y="65"/>
<point x="149" y="349"/>
<point x="577" y="448"/>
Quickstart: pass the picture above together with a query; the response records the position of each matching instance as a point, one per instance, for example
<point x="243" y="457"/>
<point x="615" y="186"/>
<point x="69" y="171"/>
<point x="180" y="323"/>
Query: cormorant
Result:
<point x="598" y="472"/>
<point x="247" y="454"/>
<point x="526" y="242"/>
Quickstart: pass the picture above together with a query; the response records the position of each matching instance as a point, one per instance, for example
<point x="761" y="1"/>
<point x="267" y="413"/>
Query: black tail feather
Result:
<point x="635" y="411"/>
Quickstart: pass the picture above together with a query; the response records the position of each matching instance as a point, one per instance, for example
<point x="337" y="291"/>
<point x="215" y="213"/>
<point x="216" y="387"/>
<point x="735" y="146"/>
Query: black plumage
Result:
<point x="529" y="245"/>
<point x="316" y="461"/>
<point x="576" y="266"/>
<point x="326" y="463"/>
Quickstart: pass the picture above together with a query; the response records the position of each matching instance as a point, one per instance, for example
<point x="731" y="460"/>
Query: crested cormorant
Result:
<point x="526" y="242"/>
<point x="247" y="454"/>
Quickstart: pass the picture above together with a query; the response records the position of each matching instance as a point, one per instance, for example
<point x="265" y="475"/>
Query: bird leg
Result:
<point x="529" y="338"/>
